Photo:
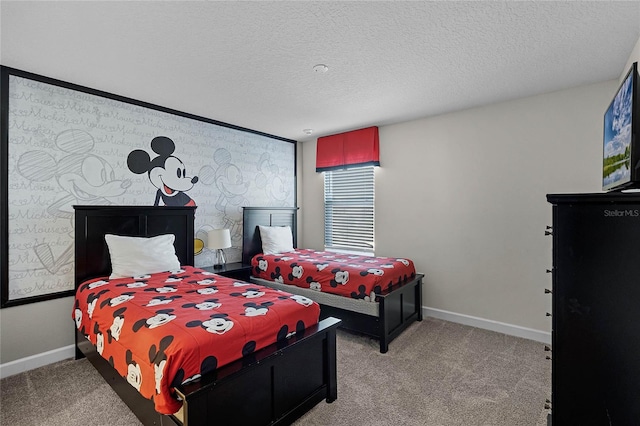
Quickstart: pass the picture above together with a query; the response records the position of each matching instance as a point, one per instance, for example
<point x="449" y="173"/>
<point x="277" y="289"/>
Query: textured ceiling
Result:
<point x="251" y="63"/>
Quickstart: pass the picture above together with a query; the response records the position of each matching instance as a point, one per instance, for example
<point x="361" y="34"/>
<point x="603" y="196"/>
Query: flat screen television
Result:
<point x="621" y="147"/>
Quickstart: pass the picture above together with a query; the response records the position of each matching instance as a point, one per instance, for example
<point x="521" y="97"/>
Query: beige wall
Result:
<point x="35" y="328"/>
<point x="463" y="195"/>
<point x="477" y="234"/>
<point x="634" y="57"/>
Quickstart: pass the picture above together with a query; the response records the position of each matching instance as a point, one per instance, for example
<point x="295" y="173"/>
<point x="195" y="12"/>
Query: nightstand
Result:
<point x="237" y="271"/>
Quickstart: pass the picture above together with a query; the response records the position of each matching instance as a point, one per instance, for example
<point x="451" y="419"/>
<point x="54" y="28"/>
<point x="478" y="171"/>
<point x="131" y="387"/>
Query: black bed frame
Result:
<point x="275" y="385"/>
<point x="398" y="307"/>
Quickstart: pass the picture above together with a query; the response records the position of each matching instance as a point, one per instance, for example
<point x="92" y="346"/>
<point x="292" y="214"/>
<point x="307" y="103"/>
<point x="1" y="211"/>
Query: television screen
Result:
<point x="618" y="136"/>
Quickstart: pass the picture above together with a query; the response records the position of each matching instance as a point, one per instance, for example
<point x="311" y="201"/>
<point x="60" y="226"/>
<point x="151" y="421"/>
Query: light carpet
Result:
<point x="435" y="373"/>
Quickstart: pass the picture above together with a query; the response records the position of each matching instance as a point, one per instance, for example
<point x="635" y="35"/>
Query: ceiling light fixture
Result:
<point x="308" y="131"/>
<point x="321" y="68"/>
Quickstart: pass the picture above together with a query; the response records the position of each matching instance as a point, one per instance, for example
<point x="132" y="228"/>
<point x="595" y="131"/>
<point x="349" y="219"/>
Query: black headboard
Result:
<point x="265" y="216"/>
<point x="93" y="222"/>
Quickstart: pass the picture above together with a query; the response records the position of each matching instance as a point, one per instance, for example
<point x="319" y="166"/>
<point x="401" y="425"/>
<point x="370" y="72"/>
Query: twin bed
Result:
<point x="185" y="347"/>
<point x="379" y="297"/>
<point x="201" y="348"/>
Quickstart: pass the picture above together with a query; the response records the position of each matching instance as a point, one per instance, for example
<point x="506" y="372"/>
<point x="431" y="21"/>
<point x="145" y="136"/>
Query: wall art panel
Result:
<point x="65" y="145"/>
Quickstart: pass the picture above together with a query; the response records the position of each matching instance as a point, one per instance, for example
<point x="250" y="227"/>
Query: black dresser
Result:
<point x="596" y="309"/>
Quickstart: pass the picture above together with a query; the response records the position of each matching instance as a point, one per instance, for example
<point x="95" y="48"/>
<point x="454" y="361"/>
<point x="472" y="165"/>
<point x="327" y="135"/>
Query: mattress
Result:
<point x="353" y="276"/>
<point x="166" y="329"/>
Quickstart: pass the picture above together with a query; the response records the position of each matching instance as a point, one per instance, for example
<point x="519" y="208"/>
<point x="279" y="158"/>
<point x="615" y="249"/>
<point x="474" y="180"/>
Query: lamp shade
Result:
<point x="219" y="239"/>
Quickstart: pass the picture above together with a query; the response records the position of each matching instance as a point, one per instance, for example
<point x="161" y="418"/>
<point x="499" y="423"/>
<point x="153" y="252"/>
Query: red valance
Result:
<point x="349" y="149"/>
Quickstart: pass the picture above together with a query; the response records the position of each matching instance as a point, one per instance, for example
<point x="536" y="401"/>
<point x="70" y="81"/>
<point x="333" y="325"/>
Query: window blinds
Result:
<point x="349" y="197"/>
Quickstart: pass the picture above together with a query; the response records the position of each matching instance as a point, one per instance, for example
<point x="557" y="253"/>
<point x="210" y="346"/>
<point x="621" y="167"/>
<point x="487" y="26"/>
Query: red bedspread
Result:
<point x="343" y="274"/>
<point x="169" y="328"/>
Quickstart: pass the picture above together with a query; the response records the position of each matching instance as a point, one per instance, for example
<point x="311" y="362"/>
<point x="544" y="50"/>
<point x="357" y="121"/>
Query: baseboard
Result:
<point x="500" y="327"/>
<point x="34" y="361"/>
<point x="39" y="360"/>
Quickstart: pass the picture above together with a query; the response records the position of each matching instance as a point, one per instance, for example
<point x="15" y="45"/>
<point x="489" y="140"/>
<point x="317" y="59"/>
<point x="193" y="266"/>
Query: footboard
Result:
<point x="397" y="310"/>
<point x="276" y="387"/>
<point x="279" y="383"/>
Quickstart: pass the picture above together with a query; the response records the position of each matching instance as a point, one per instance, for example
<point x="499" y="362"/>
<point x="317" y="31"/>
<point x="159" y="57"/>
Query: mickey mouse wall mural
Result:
<point x="166" y="172"/>
<point x="83" y="177"/>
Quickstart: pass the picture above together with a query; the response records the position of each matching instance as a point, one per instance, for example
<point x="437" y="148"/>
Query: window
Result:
<point x="349" y="197"/>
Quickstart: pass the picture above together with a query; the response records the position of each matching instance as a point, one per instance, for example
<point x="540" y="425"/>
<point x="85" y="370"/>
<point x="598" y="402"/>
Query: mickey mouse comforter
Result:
<point x="358" y="277"/>
<point x="169" y="328"/>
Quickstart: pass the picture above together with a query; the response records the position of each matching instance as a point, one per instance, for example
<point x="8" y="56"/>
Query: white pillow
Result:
<point x="276" y="239"/>
<point x="135" y="256"/>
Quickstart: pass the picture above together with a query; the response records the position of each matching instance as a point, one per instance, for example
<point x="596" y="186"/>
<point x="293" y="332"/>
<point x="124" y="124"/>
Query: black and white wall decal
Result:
<point x="64" y="145"/>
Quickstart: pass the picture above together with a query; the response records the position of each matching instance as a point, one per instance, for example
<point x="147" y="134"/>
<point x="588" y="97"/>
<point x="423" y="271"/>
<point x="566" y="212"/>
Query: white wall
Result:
<point x="463" y="195"/>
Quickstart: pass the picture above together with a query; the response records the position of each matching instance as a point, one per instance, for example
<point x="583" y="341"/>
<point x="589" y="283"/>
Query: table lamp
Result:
<point x="218" y="239"/>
